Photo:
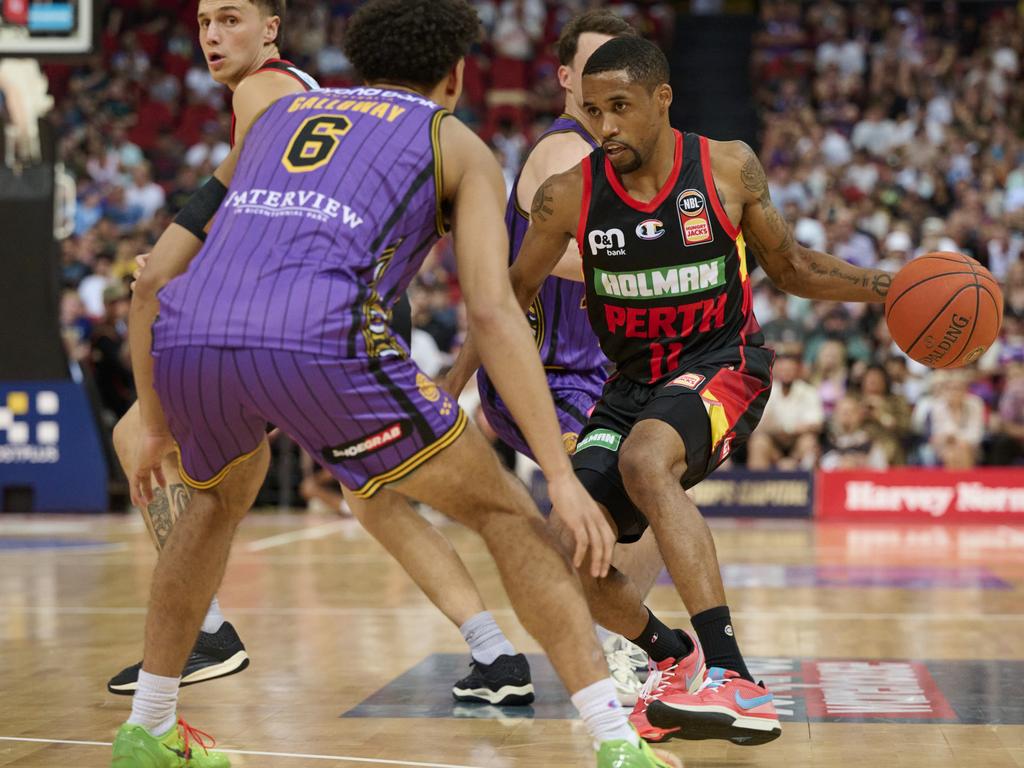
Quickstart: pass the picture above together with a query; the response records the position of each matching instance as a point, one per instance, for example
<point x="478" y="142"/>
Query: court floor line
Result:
<point x="303" y="534"/>
<point x="297" y="755"/>
<point x="782" y="613"/>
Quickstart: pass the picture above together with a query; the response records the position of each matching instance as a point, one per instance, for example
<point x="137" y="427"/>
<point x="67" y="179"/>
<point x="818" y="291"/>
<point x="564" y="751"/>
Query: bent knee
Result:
<point x="643" y="469"/>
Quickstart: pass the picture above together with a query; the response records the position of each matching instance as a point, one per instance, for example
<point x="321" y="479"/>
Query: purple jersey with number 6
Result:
<point x="284" y="316"/>
<point x="331" y="211"/>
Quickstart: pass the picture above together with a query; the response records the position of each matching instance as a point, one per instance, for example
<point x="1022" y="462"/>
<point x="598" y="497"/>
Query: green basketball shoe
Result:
<point x="180" y="747"/>
<point x="622" y="754"/>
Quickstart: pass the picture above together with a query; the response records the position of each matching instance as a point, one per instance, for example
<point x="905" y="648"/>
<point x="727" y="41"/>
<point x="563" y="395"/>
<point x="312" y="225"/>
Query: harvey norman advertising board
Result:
<point x="984" y="495"/>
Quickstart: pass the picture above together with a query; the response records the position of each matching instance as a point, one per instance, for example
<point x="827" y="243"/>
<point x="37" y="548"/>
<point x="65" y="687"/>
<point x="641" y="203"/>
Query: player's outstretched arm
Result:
<point x="474" y="184"/>
<point x="553" y="217"/>
<point x="790" y="266"/>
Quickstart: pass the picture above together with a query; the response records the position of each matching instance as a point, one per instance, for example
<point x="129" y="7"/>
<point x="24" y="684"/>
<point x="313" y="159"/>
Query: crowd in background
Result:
<point x="888" y="131"/>
<point x="891" y="130"/>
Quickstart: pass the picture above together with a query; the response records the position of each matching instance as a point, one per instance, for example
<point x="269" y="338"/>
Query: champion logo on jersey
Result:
<point x="651" y="229"/>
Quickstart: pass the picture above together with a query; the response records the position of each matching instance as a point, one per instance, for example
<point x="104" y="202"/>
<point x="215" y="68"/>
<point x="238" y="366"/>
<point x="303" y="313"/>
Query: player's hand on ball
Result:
<point x="581" y="516"/>
<point x="153" y="447"/>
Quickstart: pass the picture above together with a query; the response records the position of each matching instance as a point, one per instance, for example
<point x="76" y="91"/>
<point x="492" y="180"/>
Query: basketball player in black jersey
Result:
<point x="667" y="225"/>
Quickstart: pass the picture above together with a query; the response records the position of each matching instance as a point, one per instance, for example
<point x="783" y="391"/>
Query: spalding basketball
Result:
<point x="944" y="309"/>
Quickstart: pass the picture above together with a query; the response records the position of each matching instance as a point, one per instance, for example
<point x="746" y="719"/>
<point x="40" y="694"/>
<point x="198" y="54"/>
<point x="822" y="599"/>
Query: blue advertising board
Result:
<point x="741" y="493"/>
<point x="49" y="445"/>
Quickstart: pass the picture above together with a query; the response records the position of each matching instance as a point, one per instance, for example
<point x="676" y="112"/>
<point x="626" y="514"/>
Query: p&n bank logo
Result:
<point x="613" y="241"/>
<point x="29" y="432"/>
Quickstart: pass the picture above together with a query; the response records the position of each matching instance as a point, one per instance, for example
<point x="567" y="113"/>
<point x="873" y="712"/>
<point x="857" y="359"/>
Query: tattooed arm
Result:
<point x="790" y="266"/>
<point x="553" y="217"/>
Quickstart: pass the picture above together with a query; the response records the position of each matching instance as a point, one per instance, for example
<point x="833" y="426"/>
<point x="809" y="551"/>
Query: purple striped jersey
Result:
<point x="333" y="207"/>
<point x="558" y="315"/>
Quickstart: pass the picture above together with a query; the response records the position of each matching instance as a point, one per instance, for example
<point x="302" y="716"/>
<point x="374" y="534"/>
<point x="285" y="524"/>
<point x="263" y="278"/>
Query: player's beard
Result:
<point x="628" y="160"/>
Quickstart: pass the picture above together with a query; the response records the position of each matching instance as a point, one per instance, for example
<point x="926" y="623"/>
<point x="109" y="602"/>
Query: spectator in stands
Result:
<point x="835" y="323"/>
<point x="934" y="238"/>
<point x="952" y="420"/>
<point x="92" y="287"/>
<point x="1008" y="433"/>
<point x="887" y="415"/>
<point x="849" y="443"/>
<point x="110" y="357"/>
<point x="851" y="245"/>
<point x="829" y="372"/>
<point x="782" y="330"/>
<point x="211" y="149"/>
<point x="787" y="436"/>
<point x="143" y="193"/>
<point x="896" y="251"/>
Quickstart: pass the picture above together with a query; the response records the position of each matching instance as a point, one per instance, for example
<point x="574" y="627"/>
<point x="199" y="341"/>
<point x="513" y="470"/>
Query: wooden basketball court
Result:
<point x="886" y="647"/>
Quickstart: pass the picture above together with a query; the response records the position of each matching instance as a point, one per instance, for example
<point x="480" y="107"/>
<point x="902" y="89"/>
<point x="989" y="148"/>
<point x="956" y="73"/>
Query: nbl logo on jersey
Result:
<point x="612" y="242"/>
<point x="693" y="218"/>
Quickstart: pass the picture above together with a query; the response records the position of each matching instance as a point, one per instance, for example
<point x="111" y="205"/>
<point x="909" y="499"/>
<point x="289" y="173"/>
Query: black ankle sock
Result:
<point x="662" y="642"/>
<point x="714" y="630"/>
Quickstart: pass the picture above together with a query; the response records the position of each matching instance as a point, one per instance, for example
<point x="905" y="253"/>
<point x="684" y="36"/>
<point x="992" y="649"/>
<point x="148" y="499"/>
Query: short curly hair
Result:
<point x="410" y="42"/>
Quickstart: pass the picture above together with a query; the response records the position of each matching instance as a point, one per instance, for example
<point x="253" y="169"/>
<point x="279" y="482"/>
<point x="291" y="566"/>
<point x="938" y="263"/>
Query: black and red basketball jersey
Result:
<point x="666" y="280"/>
<point x="307" y="81"/>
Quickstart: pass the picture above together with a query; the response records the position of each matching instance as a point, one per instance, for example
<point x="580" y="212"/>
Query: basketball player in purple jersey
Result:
<point x="284" y="316"/>
<point x="235" y="42"/>
<point x="240" y="42"/>
<point x="662" y="220"/>
<point x="575" y="366"/>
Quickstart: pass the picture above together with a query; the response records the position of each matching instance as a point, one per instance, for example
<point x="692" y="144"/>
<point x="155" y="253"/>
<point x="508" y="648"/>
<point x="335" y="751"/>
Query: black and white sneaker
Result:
<point x="214" y="655"/>
<point x="505" y="683"/>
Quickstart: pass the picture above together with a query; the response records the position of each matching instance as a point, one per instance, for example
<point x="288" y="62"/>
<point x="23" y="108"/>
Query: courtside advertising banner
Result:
<point x="755" y="494"/>
<point x="50" y="449"/>
<point x="984" y="495"/>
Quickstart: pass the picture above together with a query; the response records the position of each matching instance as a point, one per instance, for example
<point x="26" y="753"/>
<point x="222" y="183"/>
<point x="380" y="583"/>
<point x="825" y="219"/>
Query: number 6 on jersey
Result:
<point x="314" y="144"/>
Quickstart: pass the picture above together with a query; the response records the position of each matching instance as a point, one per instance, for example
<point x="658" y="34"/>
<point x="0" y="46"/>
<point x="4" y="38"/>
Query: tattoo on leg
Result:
<point x="166" y="508"/>
<point x="160" y="518"/>
<point x="180" y="496"/>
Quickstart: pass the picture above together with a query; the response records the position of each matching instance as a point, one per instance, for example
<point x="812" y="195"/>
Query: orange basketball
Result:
<point x="944" y="309"/>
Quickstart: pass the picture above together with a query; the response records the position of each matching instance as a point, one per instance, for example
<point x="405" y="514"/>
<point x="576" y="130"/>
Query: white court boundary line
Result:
<point x="335" y="758"/>
<point x="303" y="534"/>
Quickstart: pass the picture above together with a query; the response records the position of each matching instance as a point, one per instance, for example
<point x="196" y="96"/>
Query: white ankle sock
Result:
<point x="601" y="713"/>
<point x="155" y="703"/>
<point x="214" y="618"/>
<point x="485" y="639"/>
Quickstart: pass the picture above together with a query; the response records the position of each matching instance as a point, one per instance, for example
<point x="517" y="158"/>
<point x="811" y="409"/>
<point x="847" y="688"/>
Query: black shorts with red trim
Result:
<point x="714" y="404"/>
